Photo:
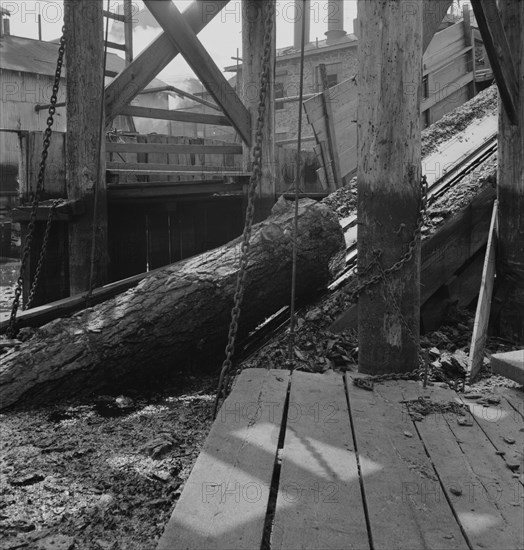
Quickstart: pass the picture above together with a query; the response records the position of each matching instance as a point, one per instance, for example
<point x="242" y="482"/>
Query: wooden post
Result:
<point x="510" y="254"/>
<point x="253" y="26"/>
<point x="84" y="56"/>
<point x="388" y="179"/>
<point x="468" y="41"/>
<point x="128" y="30"/>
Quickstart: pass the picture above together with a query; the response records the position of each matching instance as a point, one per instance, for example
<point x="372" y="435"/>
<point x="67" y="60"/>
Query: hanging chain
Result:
<point x="367" y="383"/>
<point x="250" y="210"/>
<point x="353" y="295"/>
<point x="11" y="330"/>
<point x="43" y="252"/>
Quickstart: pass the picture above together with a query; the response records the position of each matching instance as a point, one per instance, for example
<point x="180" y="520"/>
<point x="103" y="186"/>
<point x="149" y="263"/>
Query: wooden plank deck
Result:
<point x="311" y="461"/>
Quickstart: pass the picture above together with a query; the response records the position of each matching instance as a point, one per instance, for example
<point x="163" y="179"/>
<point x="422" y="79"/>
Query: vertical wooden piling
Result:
<point x="510" y="253"/>
<point x="389" y="80"/>
<point x="253" y="27"/>
<point x="85" y="174"/>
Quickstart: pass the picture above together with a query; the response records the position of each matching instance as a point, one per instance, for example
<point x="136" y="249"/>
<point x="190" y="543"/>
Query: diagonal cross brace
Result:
<point x="185" y="40"/>
<point x="499" y="54"/>
<point x="136" y="76"/>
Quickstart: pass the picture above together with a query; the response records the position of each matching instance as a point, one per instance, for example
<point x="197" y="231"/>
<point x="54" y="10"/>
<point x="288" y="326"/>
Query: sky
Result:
<point x="221" y="37"/>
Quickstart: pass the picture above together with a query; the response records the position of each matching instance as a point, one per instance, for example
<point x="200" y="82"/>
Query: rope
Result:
<point x="292" y="321"/>
<point x="101" y="135"/>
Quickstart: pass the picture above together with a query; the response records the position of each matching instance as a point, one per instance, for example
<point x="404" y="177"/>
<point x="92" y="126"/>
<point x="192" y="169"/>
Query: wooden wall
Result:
<point x="148" y="236"/>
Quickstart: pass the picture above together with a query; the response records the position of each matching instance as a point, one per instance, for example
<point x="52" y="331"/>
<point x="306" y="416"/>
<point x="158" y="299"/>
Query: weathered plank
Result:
<point x="457" y="240"/>
<point x="396" y="474"/>
<point x="156" y="156"/>
<point x="510" y="187"/>
<point x="330" y="127"/>
<point x="442" y="93"/>
<point x="480" y="328"/>
<point x="514" y="397"/>
<point x="500" y="54"/>
<point x="176" y="116"/>
<point x="319" y="502"/>
<point x="154" y="168"/>
<point x="433" y="14"/>
<point x="233" y="149"/>
<point x="85" y="146"/>
<point x="185" y="40"/>
<point x="501" y="423"/>
<point x="138" y="74"/>
<point x="224" y="501"/>
<point x="120" y="192"/>
<point x="449" y="41"/>
<point x="485" y="498"/>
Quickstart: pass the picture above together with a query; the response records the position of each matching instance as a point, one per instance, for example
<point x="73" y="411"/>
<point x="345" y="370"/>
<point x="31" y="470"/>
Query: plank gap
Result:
<point x="275" y="479"/>
<point x="360" y="477"/>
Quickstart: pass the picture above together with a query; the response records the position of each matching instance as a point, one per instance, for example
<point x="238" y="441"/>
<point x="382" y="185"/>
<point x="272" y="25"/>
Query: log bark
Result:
<point x="177" y="317"/>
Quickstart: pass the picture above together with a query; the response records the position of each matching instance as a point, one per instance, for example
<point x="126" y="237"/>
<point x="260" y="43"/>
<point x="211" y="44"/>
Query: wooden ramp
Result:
<point x="310" y="461"/>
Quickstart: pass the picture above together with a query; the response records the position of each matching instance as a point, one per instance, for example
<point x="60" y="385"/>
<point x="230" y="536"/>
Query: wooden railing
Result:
<point x="159" y="158"/>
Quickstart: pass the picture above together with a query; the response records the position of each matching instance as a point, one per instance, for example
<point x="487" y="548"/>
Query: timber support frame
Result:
<point x="388" y="181"/>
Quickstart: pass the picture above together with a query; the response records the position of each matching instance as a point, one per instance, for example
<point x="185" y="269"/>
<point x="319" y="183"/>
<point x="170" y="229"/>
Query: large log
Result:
<point x="175" y="316"/>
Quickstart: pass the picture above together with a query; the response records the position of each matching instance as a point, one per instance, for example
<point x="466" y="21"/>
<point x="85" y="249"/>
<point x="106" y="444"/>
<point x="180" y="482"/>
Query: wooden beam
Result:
<point x="154" y="168"/>
<point x="186" y="41"/>
<point x="128" y="192"/>
<point x="128" y="30"/>
<point x="112" y="147"/>
<point x="469" y="42"/>
<point x="480" y="328"/>
<point x="136" y="76"/>
<point x="434" y="12"/>
<point x="252" y="49"/>
<point x="388" y="181"/>
<point x="330" y="125"/>
<point x="85" y="152"/>
<point x="178" y="116"/>
<point x="181" y="93"/>
<point x="116" y="16"/>
<point x="500" y="56"/>
<point x="510" y="184"/>
<point x="115" y="46"/>
<point x="450" y="89"/>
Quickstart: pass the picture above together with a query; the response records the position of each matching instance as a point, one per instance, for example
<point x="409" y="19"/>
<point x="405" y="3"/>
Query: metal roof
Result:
<point x="28" y="55"/>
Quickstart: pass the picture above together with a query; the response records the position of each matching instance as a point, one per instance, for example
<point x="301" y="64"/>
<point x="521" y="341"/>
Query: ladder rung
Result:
<point x="117" y="16"/>
<point x="116" y="46"/>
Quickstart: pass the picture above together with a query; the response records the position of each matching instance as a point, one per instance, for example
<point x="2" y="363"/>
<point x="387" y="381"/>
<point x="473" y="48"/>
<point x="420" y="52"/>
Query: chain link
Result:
<point x="383" y="274"/>
<point x="250" y="210"/>
<point x="11" y="330"/>
<point x="367" y="383"/>
<point x="43" y="252"/>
